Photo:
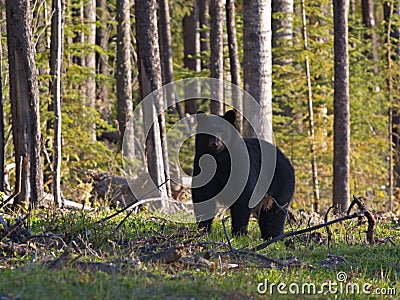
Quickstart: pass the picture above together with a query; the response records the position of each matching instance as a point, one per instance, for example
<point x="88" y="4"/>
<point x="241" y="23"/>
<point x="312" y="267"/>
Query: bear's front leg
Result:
<point x="240" y="214"/>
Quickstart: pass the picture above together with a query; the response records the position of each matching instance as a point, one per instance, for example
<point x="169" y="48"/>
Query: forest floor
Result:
<point x="71" y="255"/>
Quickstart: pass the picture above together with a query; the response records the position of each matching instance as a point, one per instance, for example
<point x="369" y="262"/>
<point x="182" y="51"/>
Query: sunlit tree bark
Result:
<point x="24" y="95"/>
<point x="341" y="167"/>
<point x="257" y="65"/>
<point x="217" y="53"/>
<point x="150" y="81"/>
<point x="124" y="79"/>
<point x="56" y="58"/>
<point x="191" y="49"/>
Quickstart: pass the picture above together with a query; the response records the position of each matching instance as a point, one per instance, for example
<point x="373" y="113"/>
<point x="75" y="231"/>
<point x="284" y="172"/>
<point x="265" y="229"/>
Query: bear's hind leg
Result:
<point x="272" y="221"/>
<point x="205" y="225"/>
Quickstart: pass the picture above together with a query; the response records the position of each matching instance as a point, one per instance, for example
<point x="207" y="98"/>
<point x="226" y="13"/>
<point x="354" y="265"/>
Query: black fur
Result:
<point x="271" y="216"/>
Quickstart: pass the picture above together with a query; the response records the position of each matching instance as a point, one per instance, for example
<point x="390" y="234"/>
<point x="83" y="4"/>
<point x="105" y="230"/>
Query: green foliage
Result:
<point x="368" y="105"/>
<point x="369" y="95"/>
<point x="142" y="235"/>
<point x="79" y="153"/>
<point x="370" y="100"/>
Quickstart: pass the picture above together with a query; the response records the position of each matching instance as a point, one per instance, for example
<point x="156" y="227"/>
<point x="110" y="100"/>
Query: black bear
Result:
<point x="220" y="152"/>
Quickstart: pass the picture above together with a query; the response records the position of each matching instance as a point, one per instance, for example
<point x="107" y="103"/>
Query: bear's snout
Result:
<point x="215" y="144"/>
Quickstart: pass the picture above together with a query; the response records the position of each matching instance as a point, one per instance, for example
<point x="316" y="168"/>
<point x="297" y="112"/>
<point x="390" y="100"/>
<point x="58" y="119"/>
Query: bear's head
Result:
<point x="216" y="131"/>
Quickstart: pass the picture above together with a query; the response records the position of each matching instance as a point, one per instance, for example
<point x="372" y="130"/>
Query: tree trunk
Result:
<point x="282" y="30"/>
<point x="79" y="36"/>
<point x="368" y="13"/>
<point x="166" y="54"/>
<point x="282" y="43"/>
<point x="2" y="142"/>
<point x="310" y="114"/>
<point x="217" y="54"/>
<point x="56" y="58"/>
<point x="124" y="79"/>
<point x="166" y="45"/>
<point x="24" y="95"/>
<point x="90" y="60"/>
<point x="43" y="40"/>
<point x="341" y="167"/>
<point x="234" y="59"/>
<point x="41" y="45"/>
<point x="204" y="25"/>
<point x="150" y="81"/>
<point x="103" y="102"/>
<point x="191" y="49"/>
<point x="393" y="116"/>
<point x="257" y="66"/>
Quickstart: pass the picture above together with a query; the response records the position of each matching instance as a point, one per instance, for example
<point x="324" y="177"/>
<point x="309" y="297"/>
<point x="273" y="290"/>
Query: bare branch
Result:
<point x="298" y="232"/>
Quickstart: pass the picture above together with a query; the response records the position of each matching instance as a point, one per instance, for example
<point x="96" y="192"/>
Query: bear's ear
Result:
<point x="201" y="116"/>
<point x="230" y="116"/>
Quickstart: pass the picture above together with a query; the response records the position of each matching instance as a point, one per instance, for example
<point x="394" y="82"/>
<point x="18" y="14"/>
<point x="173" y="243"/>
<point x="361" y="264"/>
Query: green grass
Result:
<point x="26" y="277"/>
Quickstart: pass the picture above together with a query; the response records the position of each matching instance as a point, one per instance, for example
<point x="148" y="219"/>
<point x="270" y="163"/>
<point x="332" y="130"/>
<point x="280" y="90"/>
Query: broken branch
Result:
<point x="302" y="231"/>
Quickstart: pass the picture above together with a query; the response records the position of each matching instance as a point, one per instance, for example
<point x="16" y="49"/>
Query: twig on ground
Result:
<point x="10" y="248"/>
<point x="250" y="255"/>
<point x="17" y="192"/>
<point x="364" y="211"/>
<point x="226" y="234"/>
<point x="14" y="227"/>
<point x="302" y="231"/>
<point x="262" y="257"/>
<point x="87" y="246"/>
<point x="328" y="230"/>
<point x="390" y="240"/>
<point x="368" y="214"/>
<point x="45" y="236"/>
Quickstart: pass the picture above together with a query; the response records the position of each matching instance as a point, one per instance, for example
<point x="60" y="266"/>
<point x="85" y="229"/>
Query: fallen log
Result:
<point x="112" y="187"/>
